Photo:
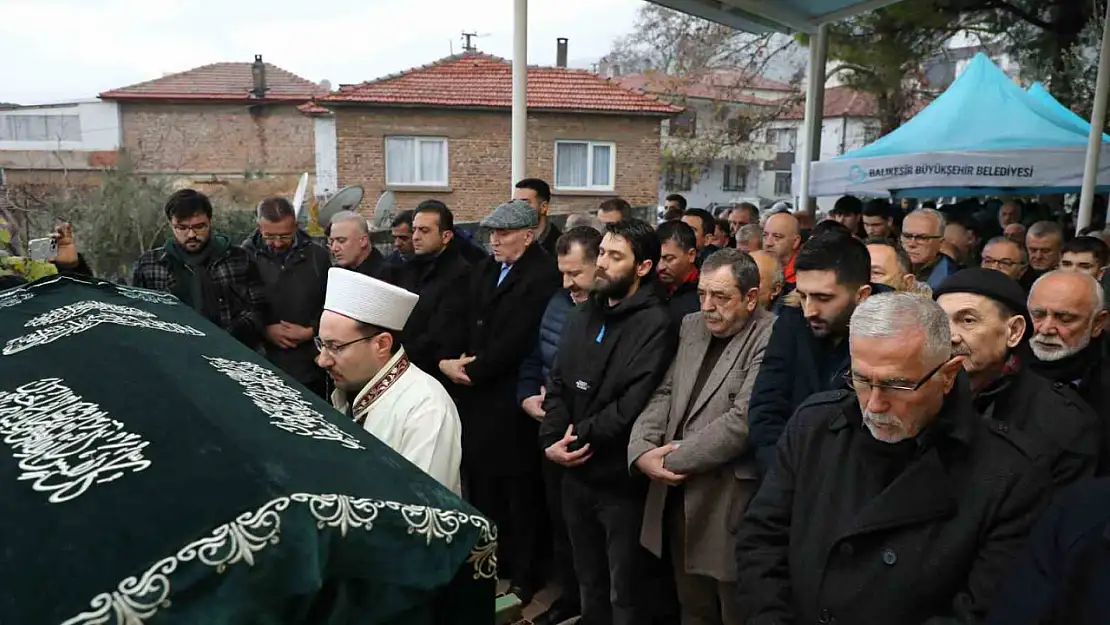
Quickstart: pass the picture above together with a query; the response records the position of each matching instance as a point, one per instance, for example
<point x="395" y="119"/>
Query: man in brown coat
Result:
<point x="690" y="437"/>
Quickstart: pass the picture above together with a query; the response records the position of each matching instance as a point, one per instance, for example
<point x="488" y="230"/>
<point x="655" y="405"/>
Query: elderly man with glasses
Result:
<point x="892" y="502"/>
<point x="922" y="237"/>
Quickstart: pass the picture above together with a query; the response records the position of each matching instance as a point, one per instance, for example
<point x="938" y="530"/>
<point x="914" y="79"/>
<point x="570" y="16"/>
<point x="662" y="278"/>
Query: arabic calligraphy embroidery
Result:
<point x="64" y="444"/>
<point x="74" y="319"/>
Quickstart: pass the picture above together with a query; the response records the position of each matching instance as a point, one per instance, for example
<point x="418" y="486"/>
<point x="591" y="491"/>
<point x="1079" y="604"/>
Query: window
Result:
<point x="783" y="182"/>
<point x="784" y="139"/>
<point x="735" y="178"/>
<point x="685" y="125"/>
<point x="40" y="128"/>
<point x="585" y="165"/>
<point x="678" y="177"/>
<point x="416" y="161"/>
<point x="871" y="134"/>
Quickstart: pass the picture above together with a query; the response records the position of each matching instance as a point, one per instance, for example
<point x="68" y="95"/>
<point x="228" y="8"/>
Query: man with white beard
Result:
<point x="1068" y="313"/>
<point x="893" y="502"/>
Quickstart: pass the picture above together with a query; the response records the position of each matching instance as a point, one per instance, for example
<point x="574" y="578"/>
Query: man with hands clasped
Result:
<point x="690" y="438"/>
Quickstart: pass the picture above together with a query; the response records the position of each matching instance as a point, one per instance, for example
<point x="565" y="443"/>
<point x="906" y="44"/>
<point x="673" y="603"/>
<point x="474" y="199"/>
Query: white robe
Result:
<point x="411" y="412"/>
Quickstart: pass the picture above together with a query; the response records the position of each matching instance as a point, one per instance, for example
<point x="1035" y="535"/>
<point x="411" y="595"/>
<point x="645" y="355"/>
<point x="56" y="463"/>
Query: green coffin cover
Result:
<point x="154" y="470"/>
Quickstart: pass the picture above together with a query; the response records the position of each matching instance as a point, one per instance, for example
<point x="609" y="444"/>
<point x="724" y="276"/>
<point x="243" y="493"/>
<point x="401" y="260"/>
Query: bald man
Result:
<point x="1068" y="312"/>
<point x="782" y="237"/>
<point x="771" y="280"/>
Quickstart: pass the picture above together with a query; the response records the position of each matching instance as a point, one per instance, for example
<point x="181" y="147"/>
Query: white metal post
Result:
<point x="815" y="108"/>
<point x="520" y="92"/>
<point x="1098" y="120"/>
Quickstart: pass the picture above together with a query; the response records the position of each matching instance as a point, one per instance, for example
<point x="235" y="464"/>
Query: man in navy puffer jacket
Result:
<point x="577" y="251"/>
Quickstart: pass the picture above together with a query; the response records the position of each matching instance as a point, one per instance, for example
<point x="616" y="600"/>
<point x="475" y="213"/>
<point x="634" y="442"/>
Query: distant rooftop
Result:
<point x="219" y="81"/>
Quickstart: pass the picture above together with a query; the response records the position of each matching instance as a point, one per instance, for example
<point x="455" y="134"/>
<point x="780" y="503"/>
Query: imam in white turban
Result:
<point x="368" y="300"/>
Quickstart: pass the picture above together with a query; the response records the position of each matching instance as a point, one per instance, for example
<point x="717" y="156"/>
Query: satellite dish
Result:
<point x="383" y="212"/>
<point x="347" y="199"/>
<point x="298" y="197"/>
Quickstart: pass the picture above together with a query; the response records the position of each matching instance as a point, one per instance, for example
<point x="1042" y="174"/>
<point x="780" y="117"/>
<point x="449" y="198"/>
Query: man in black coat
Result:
<point x="294" y="271"/>
<point x="678" y="268"/>
<point x="1069" y="345"/>
<point x="894" y="503"/>
<point x="987" y="315"/>
<point x="1063" y="575"/>
<point x="436" y="329"/>
<point x="808" y="350"/>
<point x="501" y="461"/>
<point x="613" y="354"/>
<point x="349" y="242"/>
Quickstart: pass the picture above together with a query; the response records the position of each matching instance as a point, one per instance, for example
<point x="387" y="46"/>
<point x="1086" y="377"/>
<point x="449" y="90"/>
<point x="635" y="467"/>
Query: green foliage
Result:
<point x="236" y="223"/>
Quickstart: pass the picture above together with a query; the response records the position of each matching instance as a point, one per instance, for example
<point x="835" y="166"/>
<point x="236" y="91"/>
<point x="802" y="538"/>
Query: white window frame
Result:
<point x="418" y="139"/>
<point x="589" y="165"/>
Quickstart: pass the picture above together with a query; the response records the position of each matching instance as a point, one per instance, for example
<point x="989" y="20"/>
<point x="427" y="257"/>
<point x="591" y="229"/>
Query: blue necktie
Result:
<point x="504" y="272"/>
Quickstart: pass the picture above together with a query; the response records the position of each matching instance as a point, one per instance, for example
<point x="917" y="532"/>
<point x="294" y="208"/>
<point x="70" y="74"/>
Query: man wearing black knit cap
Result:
<point x="988" y="317"/>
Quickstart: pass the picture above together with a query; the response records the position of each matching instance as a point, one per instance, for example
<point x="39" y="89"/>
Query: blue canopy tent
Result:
<point x="1053" y="107"/>
<point x="985" y="134"/>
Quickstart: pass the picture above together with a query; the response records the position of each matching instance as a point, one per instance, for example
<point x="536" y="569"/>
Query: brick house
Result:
<point x="443" y="131"/>
<point x="215" y="123"/>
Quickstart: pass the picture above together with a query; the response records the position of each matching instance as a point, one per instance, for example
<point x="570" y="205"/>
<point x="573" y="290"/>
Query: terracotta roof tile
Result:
<point x="715" y="88"/>
<point x="476" y="80"/>
<point x="844" y="101"/>
<point x="219" y="81"/>
<point x="311" y="108"/>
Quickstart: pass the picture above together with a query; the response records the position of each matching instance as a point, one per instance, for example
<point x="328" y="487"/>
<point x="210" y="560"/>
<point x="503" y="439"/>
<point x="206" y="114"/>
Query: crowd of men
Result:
<point x="735" y="419"/>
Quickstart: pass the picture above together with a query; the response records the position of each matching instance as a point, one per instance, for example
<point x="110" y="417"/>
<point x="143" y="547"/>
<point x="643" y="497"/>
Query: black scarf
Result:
<point x="1075" y="367"/>
<point x="193" y="282"/>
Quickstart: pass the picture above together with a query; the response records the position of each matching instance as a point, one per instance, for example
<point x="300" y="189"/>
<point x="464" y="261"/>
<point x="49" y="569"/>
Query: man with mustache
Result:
<point x="614" y="352"/>
<point x="1068" y="312"/>
<point x="689" y="441"/>
<point x="892" y="502"/>
<point x="678" y="268"/>
<point x="808" y="350"/>
<point x="987" y="316"/>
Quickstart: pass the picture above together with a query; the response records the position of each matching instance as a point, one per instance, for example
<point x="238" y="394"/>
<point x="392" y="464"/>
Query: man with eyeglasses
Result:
<point x="922" y="237"/>
<point x="892" y="502"/>
<point x="1002" y="254"/>
<point x="988" y="319"/>
<point x="205" y="271"/>
<point x="295" y="272"/>
<point x="375" y="382"/>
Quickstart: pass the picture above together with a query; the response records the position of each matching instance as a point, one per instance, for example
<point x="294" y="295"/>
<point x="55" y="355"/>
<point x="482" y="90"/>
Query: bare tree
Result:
<point x="717" y="74"/>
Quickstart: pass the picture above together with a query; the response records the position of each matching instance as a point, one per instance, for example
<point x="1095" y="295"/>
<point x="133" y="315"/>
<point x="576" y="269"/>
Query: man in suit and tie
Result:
<point x="509" y="292"/>
<point x="690" y="438"/>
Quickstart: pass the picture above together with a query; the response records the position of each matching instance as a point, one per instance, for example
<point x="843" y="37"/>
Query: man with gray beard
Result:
<point x="1068" y="313"/>
<point x="893" y="502"/>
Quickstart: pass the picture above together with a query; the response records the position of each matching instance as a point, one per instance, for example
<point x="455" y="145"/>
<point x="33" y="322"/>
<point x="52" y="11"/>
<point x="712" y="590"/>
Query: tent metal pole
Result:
<point x="1098" y="121"/>
<point x="815" y="109"/>
<point x="520" y="91"/>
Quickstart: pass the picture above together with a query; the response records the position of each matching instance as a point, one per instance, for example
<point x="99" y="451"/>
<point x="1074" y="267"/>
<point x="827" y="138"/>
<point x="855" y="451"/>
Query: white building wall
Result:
<point x="709" y="188"/>
<point x="327" y="160"/>
<point x="99" y="127"/>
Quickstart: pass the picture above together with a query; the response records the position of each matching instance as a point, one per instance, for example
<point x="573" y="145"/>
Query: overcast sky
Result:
<point x="57" y="50"/>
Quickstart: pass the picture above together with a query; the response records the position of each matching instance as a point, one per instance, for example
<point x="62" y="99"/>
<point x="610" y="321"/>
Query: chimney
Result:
<point x="561" y="52"/>
<point x="258" y="75"/>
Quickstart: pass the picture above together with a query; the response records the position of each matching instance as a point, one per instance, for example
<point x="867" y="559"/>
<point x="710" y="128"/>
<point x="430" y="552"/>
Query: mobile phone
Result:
<point x="42" y="249"/>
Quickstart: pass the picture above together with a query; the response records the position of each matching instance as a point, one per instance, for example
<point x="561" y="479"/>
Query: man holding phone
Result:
<point x="59" y="250"/>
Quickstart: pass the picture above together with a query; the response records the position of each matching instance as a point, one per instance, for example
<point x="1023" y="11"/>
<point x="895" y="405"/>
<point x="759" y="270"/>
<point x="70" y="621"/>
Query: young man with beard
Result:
<point x="1068" y="312"/>
<point x="808" y="350"/>
<point x="204" y="270"/>
<point x="987" y="315"/>
<point x="614" y="352"/>
<point x="678" y="270"/>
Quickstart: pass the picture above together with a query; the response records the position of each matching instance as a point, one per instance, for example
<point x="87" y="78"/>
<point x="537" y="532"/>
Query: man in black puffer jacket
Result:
<point x="614" y="352"/>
